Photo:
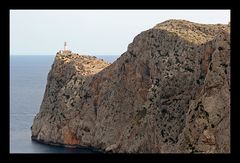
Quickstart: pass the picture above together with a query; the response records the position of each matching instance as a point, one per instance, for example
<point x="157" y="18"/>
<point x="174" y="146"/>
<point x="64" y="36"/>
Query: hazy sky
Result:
<point x="92" y="32"/>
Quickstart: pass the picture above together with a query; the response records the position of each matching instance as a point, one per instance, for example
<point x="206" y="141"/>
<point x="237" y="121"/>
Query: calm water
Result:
<point x="28" y="77"/>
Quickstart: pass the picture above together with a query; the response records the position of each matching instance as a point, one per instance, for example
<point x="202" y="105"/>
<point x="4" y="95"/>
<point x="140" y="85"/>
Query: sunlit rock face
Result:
<point x="168" y="93"/>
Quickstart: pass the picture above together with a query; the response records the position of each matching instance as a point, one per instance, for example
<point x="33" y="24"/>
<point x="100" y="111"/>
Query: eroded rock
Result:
<point x="168" y="93"/>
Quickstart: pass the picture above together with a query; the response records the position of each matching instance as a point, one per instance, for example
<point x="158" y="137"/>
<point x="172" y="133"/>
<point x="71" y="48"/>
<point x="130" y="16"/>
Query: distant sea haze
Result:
<point x="28" y="77"/>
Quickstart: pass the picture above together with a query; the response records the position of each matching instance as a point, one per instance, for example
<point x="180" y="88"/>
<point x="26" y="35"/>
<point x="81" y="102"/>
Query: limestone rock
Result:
<point x="168" y="93"/>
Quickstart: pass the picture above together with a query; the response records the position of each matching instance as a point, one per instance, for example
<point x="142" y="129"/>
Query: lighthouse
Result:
<point x="65" y="46"/>
<point x="65" y="50"/>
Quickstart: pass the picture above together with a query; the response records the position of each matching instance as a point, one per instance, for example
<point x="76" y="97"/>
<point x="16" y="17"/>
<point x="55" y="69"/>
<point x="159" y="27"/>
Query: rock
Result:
<point x="168" y="93"/>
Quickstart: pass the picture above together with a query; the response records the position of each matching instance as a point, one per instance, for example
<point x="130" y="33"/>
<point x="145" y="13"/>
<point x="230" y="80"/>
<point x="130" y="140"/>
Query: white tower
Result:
<point x="65" y="46"/>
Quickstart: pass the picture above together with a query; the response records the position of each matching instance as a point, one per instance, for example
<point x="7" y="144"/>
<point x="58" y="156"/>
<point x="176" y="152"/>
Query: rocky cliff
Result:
<point x="168" y="93"/>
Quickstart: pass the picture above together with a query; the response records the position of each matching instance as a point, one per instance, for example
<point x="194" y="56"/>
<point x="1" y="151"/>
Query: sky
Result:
<point x="92" y="32"/>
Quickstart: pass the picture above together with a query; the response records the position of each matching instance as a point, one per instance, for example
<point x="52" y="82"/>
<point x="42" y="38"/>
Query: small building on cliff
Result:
<point x="65" y="50"/>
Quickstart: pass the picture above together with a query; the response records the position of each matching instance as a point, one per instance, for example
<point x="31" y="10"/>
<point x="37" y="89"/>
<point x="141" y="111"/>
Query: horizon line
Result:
<point x="55" y="54"/>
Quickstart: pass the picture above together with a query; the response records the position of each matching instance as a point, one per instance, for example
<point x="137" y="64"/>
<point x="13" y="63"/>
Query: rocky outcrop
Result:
<point x="168" y="93"/>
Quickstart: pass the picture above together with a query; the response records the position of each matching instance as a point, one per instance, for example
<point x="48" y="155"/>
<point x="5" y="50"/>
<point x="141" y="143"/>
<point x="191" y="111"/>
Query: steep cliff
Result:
<point x="168" y="93"/>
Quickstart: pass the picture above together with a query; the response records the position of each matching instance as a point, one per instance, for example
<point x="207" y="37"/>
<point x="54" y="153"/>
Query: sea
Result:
<point x="28" y="78"/>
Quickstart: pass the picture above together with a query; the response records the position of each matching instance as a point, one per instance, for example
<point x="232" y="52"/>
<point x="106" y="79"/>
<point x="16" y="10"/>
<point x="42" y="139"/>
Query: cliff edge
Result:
<point x="168" y="93"/>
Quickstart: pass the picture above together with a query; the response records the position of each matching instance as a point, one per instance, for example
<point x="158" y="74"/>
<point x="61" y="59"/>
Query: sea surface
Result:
<point x="28" y="78"/>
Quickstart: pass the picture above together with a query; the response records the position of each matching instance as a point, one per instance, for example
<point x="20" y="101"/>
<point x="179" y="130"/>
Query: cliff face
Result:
<point x="168" y="93"/>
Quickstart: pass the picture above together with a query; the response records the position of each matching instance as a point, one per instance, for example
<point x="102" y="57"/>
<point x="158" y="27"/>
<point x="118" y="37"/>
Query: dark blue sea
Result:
<point x="28" y="77"/>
